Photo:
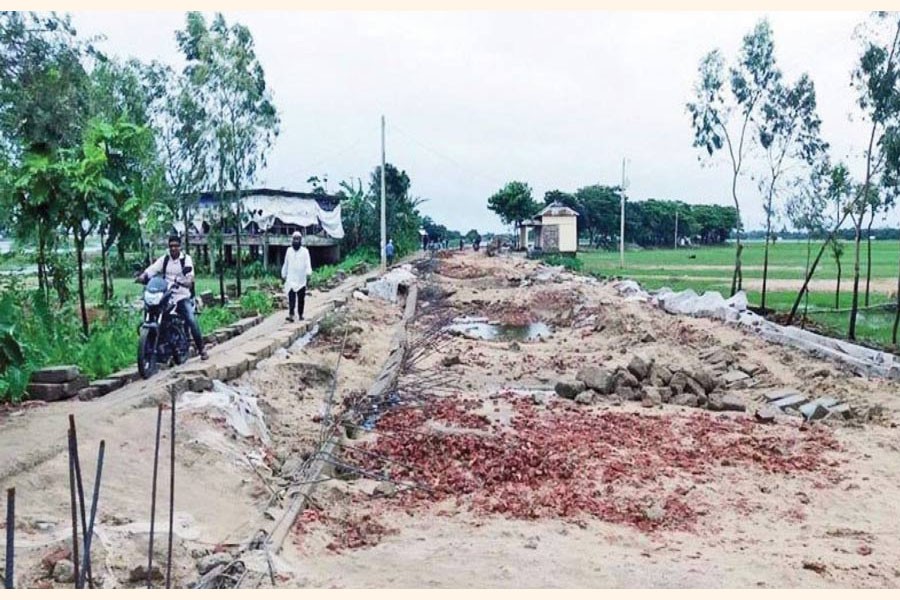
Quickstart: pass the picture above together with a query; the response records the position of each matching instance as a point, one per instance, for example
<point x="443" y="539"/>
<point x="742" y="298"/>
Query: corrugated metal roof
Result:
<point x="556" y="209"/>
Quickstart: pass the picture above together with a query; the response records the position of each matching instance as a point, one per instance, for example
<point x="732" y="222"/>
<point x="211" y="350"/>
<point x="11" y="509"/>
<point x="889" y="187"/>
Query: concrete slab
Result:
<point x="779" y="393"/>
<point x="789" y="402"/>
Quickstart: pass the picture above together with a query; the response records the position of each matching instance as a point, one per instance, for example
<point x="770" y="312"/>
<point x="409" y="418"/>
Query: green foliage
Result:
<point x="53" y="336"/>
<point x="215" y="317"/>
<point x="362" y="258"/>
<point x="573" y="263"/>
<point x="513" y="203"/>
<point x="229" y="83"/>
<point x="258" y="302"/>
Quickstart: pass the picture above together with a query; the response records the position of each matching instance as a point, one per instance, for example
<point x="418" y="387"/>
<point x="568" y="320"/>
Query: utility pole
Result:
<point x="676" y="230"/>
<point x="383" y="227"/>
<point x="622" y="220"/>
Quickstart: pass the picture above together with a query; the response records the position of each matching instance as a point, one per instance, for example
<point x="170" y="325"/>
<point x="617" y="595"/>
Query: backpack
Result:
<point x="181" y="260"/>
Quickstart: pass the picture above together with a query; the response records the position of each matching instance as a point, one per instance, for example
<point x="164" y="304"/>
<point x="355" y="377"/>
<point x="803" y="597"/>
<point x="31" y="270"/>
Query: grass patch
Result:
<point x="711" y="270"/>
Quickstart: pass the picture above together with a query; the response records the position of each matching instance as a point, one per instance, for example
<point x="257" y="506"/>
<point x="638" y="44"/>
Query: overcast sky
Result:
<point x="473" y="100"/>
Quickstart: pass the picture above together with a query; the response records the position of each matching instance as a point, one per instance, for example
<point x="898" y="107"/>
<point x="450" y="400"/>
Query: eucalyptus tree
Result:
<point x="789" y="136"/>
<point x="727" y="103"/>
<point x="875" y="77"/>
<point x="225" y="71"/>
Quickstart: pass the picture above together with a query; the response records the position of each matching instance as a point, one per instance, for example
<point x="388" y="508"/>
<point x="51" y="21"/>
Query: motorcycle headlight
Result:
<point x="152" y="298"/>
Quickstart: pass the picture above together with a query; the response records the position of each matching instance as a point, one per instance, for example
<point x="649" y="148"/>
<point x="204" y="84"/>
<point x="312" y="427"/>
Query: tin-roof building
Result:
<point x="270" y="217"/>
<point x="555" y="230"/>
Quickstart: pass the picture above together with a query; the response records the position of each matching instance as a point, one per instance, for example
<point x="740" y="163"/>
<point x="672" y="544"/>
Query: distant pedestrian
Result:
<point x="389" y="252"/>
<point x="296" y="268"/>
<point x="461" y="244"/>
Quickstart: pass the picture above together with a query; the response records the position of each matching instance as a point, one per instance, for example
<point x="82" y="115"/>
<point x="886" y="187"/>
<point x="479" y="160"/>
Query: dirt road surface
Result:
<point x="481" y="473"/>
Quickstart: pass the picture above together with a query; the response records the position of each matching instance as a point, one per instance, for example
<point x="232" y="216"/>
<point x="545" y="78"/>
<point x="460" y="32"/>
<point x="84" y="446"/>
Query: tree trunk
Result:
<point x="896" y="311"/>
<point x="737" y="277"/>
<point x="104" y="275"/>
<point x="79" y="250"/>
<point x="237" y="239"/>
<point x="808" y="252"/>
<point x="854" y="300"/>
<point x="812" y="269"/>
<point x="762" y="302"/>
<point x="221" y="261"/>
<point x="837" y="289"/>
<point x="43" y="284"/>
<point x="869" y="256"/>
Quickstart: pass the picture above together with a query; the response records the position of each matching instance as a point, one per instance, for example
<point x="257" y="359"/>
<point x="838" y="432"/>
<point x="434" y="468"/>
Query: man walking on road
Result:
<point x="294" y="271"/>
<point x="389" y="252"/>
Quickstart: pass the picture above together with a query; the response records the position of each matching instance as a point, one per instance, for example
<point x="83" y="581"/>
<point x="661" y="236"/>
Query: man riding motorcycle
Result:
<point x="178" y="268"/>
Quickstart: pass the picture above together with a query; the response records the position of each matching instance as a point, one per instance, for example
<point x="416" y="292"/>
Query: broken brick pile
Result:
<point x="560" y="460"/>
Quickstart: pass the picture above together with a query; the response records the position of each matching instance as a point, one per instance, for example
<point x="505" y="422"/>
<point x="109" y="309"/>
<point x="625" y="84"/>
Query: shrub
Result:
<point x="573" y="263"/>
<point x="256" y="301"/>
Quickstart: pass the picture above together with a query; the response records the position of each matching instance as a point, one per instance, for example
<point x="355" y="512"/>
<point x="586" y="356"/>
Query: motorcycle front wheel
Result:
<point x="146" y="356"/>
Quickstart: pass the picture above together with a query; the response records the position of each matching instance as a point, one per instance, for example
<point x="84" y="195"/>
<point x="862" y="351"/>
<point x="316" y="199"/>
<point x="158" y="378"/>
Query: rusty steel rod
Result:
<point x="171" y="499"/>
<point x="74" y="503"/>
<point x="89" y="535"/>
<point x="9" y="573"/>
<point x="80" y="485"/>
<point x="153" y="496"/>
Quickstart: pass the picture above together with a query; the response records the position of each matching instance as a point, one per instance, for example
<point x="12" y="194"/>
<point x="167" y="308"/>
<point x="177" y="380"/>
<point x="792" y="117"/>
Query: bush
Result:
<point x="573" y="263"/>
<point x="52" y="336"/>
<point x="256" y="301"/>
<point x="214" y="318"/>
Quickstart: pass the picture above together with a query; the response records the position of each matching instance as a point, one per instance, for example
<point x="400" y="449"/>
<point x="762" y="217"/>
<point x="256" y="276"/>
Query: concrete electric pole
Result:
<point x="622" y="217"/>
<point x="383" y="226"/>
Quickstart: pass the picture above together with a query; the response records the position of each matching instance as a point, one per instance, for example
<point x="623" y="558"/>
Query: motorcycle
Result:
<point x="164" y="337"/>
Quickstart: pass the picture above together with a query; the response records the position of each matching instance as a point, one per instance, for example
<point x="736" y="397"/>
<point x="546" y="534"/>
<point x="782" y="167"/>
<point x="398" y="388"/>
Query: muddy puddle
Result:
<point x="480" y="328"/>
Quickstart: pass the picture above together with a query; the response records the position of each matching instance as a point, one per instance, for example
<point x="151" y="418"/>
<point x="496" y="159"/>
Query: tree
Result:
<point x="472" y="235"/>
<point x="513" y="203"/>
<point x="84" y="170"/>
<point x="401" y="211"/>
<point x="44" y="106"/>
<point x="223" y="65"/>
<point x="599" y="211"/>
<point x="721" y="116"/>
<point x="125" y="97"/>
<point x="182" y="130"/>
<point x="357" y="213"/>
<point x="789" y="135"/>
<point x="806" y="207"/>
<point x="875" y="78"/>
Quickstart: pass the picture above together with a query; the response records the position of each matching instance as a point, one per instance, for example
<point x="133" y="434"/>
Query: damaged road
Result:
<point x="522" y="427"/>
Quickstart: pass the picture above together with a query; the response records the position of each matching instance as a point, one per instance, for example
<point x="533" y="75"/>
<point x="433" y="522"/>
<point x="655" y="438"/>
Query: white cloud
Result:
<point x="476" y="99"/>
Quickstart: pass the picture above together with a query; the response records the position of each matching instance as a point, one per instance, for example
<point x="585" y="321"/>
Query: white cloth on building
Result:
<point x="296" y="268"/>
<point x="174" y="274"/>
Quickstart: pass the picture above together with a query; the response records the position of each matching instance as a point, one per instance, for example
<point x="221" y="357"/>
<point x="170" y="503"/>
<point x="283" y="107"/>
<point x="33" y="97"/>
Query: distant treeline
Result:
<point x="647" y="222"/>
<point x="884" y="233"/>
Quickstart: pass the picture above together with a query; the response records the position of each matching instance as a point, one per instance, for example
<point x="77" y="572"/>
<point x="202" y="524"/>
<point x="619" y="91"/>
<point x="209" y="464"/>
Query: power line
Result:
<point x="489" y="178"/>
<point x="335" y="155"/>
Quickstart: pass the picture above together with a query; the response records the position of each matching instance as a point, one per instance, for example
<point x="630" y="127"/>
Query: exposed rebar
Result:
<point x="80" y="486"/>
<point x="153" y="497"/>
<point x="89" y="535"/>
<point x="9" y="573"/>
<point x="74" y="503"/>
<point x="171" y="501"/>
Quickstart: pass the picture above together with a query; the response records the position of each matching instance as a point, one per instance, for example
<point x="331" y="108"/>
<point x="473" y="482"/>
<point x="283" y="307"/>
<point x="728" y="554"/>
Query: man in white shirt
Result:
<point x="177" y="267"/>
<point x="294" y="271"/>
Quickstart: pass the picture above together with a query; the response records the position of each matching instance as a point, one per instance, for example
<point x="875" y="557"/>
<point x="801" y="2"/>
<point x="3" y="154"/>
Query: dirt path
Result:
<point x="882" y="285"/>
<point x="220" y="496"/>
<point x="479" y="474"/>
<point x="822" y="514"/>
